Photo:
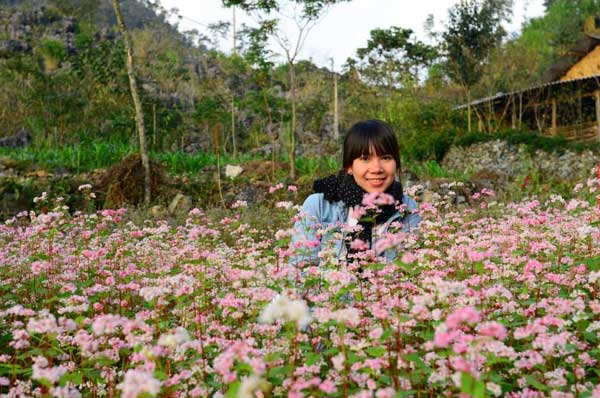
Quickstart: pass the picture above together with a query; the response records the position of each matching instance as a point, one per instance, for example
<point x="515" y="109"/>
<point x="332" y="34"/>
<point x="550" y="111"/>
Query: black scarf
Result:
<point x="342" y="186"/>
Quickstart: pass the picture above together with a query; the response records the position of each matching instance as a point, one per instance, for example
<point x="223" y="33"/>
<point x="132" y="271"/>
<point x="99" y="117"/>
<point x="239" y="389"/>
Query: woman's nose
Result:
<point x="377" y="164"/>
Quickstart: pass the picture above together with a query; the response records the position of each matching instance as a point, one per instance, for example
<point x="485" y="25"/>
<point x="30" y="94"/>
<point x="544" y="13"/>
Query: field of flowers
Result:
<point x="493" y="300"/>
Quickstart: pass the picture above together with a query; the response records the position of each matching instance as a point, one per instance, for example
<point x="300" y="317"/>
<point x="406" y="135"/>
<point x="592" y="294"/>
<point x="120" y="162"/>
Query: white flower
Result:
<point x="349" y="316"/>
<point x="282" y="308"/>
<point x="174" y="340"/>
<point x="284" y="205"/>
<point x="239" y="203"/>
<point x="494" y="388"/>
<point x="593" y="276"/>
<point x="338" y="362"/>
<point x="65" y="392"/>
<point x="152" y="292"/>
<point x="138" y="382"/>
<point x="250" y="385"/>
<point x="41" y="371"/>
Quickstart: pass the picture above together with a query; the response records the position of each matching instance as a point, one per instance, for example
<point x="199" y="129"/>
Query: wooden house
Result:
<point x="567" y="102"/>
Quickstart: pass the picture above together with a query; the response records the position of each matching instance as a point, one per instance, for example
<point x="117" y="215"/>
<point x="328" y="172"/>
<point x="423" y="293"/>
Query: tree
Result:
<point x="473" y="30"/>
<point x="392" y="56"/>
<point x="139" y="114"/>
<point x="560" y="27"/>
<point x="304" y="14"/>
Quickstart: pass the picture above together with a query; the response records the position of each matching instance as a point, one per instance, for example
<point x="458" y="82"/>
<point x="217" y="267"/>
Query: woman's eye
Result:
<point x="364" y="157"/>
<point x="387" y="157"/>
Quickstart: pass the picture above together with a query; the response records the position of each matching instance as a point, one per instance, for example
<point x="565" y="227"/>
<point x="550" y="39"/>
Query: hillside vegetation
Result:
<point x="63" y="79"/>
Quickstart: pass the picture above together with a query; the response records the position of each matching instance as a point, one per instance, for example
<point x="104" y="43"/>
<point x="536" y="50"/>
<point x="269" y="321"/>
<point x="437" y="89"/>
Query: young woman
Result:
<point x="371" y="162"/>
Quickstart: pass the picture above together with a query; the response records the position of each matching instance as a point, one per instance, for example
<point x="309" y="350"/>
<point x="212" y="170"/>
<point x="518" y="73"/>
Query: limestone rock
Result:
<point x="158" y="211"/>
<point x="180" y="205"/>
<point x="233" y="171"/>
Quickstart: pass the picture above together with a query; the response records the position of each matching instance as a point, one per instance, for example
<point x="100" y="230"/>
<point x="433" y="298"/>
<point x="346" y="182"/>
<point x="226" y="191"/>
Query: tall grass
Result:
<point x="76" y="159"/>
<point x="317" y="166"/>
<point x="432" y="169"/>
<point x="85" y="158"/>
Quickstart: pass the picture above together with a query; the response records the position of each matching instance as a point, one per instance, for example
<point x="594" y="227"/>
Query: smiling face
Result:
<point x="373" y="172"/>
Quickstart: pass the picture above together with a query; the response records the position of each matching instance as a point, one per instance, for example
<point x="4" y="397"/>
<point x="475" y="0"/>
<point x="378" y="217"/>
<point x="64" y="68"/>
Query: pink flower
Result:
<point x="328" y="387"/>
<point x="376" y="199"/>
<point x="444" y="339"/>
<point x="493" y="329"/>
<point x="385" y="393"/>
<point x="277" y="187"/>
<point x="461" y="364"/>
<point x="358" y="244"/>
<point x="408" y="258"/>
<point x="41" y="371"/>
<point x="138" y="382"/>
<point x="466" y="314"/>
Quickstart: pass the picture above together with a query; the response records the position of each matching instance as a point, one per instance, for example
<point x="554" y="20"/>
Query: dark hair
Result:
<point x="368" y="134"/>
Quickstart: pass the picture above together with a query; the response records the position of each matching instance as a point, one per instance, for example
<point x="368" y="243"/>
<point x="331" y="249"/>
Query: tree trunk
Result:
<point x="293" y="132"/>
<point x="468" y="110"/>
<point x="336" y="115"/>
<point x="233" y="139"/>
<point x="139" y="114"/>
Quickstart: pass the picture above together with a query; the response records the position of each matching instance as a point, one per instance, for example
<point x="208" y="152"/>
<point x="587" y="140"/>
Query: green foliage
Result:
<point x="424" y="127"/>
<point x="474" y="29"/>
<point x="393" y="55"/>
<point x="433" y="169"/>
<point x="553" y="34"/>
<point x="317" y="166"/>
<point x="53" y="49"/>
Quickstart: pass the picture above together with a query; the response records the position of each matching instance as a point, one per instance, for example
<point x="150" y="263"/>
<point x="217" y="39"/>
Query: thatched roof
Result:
<point x="550" y="78"/>
<point x="586" y="43"/>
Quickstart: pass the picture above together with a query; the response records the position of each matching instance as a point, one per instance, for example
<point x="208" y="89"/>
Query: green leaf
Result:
<point x="593" y="263"/>
<point x="419" y="362"/>
<point x="407" y="393"/>
<point x="533" y="382"/>
<point x="312" y="358"/>
<point x="244" y="369"/>
<point x="479" y="389"/>
<point x="353" y="358"/>
<point x="161" y="375"/>
<point x="375" y="352"/>
<point x="233" y="389"/>
<point x="331" y="352"/>
<point x="467" y="383"/>
<point x="478" y="268"/>
<point x="75" y="378"/>
<point x="45" y="382"/>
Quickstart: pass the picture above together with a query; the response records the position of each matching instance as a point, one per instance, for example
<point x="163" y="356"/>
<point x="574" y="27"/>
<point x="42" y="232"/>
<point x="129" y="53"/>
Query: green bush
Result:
<point x="53" y="49"/>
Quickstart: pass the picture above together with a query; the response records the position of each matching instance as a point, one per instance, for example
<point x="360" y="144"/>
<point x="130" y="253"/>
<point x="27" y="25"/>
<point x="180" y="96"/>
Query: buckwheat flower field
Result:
<point x="497" y="299"/>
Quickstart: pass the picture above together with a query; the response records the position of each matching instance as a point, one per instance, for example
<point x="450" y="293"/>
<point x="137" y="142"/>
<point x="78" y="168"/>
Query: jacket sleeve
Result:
<point x="305" y="243"/>
<point x="412" y="220"/>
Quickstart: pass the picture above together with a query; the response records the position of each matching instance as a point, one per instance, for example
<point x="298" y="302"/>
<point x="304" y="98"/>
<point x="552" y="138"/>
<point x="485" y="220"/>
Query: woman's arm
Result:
<point x="306" y="243"/>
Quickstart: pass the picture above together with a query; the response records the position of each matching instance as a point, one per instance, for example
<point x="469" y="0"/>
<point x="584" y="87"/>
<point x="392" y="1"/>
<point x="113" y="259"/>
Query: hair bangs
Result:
<point x="367" y="137"/>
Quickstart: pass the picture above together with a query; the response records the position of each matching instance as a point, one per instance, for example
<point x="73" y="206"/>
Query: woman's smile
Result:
<point x="373" y="172"/>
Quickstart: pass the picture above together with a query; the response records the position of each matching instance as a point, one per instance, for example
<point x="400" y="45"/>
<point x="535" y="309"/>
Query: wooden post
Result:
<point x="597" y="92"/>
<point x="513" y="114"/>
<point x="553" y="129"/>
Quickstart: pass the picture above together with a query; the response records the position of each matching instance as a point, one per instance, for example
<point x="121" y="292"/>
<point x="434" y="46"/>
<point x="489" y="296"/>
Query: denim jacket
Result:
<point x="320" y="228"/>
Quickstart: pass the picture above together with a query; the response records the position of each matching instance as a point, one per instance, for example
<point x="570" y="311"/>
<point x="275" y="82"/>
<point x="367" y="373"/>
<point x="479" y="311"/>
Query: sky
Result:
<point x="346" y="26"/>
